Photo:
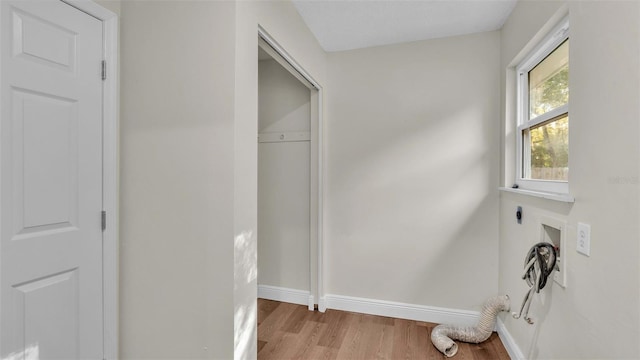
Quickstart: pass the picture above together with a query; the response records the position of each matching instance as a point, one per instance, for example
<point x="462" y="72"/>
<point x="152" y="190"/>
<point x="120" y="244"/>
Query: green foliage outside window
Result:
<point x="550" y="140"/>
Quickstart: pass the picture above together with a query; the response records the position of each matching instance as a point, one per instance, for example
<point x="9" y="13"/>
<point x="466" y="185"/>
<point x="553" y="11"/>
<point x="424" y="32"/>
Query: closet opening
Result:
<point x="289" y="179"/>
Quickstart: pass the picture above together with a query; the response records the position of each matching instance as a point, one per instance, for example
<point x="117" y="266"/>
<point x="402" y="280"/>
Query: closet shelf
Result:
<point x="284" y="137"/>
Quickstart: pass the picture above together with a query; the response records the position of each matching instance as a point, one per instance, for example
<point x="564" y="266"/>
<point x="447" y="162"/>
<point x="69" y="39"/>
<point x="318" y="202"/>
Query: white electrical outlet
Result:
<point x="584" y="239"/>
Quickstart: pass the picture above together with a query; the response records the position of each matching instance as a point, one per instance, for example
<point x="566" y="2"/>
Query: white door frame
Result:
<point x="109" y="172"/>
<point x="316" y="111"/>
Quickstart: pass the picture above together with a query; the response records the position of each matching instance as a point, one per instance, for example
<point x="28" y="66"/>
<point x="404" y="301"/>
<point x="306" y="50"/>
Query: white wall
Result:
<point x="412" y="172"/>
<point x="283" y="180"/>
<point x="176" y="198"/>
<point x="597" y="315"/>
<point x="283" y="101"/>
<point x="111" y="5"/>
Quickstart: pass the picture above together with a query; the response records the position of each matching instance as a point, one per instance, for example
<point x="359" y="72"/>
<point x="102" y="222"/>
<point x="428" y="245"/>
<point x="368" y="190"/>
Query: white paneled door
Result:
<point x="50" y="182"/>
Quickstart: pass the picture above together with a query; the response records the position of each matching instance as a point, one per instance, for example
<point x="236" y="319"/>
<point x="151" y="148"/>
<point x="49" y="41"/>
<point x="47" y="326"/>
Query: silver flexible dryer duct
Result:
<point x="442" y="335"/>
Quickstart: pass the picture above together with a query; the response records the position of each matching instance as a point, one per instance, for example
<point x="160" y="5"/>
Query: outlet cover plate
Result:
<point x="584" y="239"/>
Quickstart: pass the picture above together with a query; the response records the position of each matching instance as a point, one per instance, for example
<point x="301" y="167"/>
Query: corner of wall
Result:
<point x="508" y="341"/>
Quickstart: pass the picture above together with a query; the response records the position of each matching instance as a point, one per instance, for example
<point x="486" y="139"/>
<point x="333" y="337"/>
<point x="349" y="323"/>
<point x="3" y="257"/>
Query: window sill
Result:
<point x="567" y="198"/>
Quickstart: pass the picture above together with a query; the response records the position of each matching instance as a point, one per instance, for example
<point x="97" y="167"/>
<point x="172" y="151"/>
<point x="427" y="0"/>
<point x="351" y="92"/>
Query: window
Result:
<point x="543" y="115"/>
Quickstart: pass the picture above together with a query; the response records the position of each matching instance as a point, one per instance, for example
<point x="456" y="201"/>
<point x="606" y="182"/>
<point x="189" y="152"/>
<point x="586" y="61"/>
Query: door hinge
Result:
<point x="104" y="69"/>
<point x="104" y="220"/>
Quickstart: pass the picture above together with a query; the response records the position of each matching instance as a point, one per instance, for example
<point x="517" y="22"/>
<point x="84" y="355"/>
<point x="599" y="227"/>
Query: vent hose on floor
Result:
<point x="539" y="264"/>
<point x="442" y="335"/>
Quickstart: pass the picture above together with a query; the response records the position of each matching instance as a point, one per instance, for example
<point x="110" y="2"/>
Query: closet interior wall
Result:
<point x="283" y="178"/>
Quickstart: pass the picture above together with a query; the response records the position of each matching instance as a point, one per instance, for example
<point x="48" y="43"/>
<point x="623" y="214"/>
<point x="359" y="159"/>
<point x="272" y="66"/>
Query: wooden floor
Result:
<point x="288" y="331"/>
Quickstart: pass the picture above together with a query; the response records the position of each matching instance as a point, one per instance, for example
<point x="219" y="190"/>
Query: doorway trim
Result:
<point x="316" y="111"/>
<point x="110" y="108"/>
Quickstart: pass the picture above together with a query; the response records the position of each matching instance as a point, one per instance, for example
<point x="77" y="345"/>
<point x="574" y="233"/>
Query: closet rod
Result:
<point x="284" y="137"/>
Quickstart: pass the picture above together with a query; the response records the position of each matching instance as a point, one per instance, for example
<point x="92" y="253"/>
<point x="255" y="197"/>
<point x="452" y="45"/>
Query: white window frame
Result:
<point x="555" y="38"/>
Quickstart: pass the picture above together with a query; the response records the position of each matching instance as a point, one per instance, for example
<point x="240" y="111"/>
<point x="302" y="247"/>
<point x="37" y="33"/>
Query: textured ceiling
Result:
<point x="344" y="25"/>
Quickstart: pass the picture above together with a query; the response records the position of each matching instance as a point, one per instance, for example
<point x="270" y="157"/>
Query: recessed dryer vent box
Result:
<point x="554" y="231"/>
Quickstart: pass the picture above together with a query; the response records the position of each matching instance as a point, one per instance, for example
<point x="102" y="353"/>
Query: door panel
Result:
<point x="46" y="156"/>
<point x="42" y="41"/>
<point x="53" y="332"/>
<point x="50" y="182"/>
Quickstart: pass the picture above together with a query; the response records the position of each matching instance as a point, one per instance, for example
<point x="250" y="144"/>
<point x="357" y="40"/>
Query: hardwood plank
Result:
<point x="287" y="345"/>
<point x="310" y="332"/>
<point x="410" y="340"/>
<point x="424" y="342"/>
<point x="464" y="351"/>
<point x="488" y="349"/>
<point x="265" y="308"/>
<point x="382" y="320"/>
<point x="275" y="321"/>
<point x="352" y="337"/>
<point x="367" y="338"/>
<point x="380" y="345"/>
<point x="297" y="319"/>
<point x="501" y="351"/>
<point x="280" y="346"/>
<point x="402" y="338"/>
<point x="261" y="344"/>
<point x="338" y="322"/>
<point x="323" y="353"/>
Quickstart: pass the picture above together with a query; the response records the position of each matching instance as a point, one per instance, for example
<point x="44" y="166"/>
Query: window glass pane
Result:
<point x="549" y="82"/>
<point x="550" y="150"/>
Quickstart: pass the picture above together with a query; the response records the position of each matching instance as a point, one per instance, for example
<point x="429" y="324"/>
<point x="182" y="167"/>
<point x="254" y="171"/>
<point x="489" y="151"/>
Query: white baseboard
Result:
<point x="293" y="296"/>
<point x="507" y="340"/>
<point x="322" y="304"/>
<point x="401" y="310"/>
